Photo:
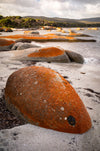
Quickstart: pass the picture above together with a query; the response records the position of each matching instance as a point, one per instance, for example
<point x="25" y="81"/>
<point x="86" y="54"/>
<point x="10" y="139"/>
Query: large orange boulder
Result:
<point x="43" y="97"/>
<point x="52" y="54"/>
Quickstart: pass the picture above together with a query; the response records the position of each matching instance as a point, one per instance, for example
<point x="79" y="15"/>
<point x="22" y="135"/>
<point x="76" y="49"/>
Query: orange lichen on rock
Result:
<point x="4" y="42"/>
<point x="47" y="52"/>
<point x="70" y="38"/>
<point x="26" y="37"/>
<point x="41" y="37"/>
<point x="44" y="98"/>
<point x="50" y="34"/>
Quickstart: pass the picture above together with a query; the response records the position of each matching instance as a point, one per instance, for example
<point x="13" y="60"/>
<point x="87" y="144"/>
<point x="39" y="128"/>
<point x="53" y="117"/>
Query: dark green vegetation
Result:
<point x="36" y="21"/>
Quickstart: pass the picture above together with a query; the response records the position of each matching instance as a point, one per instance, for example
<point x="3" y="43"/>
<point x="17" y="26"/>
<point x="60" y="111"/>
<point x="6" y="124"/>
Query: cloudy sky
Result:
<point x="75" y="9"/>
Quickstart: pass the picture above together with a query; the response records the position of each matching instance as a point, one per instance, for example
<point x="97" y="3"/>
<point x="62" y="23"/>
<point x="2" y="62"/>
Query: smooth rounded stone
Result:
<point x="47" y="54"/>
<point x="5" y="42"/>
<point x="43" y="97"/>
<point x="21" y="46"/>
<point x="6" y="45"/>
<point x="75" y="57"/>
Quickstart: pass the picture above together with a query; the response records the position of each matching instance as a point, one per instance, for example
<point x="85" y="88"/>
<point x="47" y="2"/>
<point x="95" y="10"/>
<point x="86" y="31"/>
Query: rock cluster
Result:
<point x="43" y="97"/>
<point x="48" y="37"/>
<point x="55" y="54"/>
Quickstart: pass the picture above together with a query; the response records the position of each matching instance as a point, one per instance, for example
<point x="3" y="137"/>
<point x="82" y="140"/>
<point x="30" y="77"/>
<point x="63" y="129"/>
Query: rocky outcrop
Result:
<point x="52" y="38"/>
<point x="43" y="97"/>
<point x="21" y="46"/>
<point x="5" y="45"/>
<point x="49" y="54"/>
<point x="6" y="48"/>
<point x="74" y="57"/>
<point x="55" y="54"/>
<point x="24" y="40"/>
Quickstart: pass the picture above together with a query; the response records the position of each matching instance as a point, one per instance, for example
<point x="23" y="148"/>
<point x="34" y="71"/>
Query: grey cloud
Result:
<point x="85" y="1"/>
<point x="23" y="3"/>
<point x="51" y="8"/>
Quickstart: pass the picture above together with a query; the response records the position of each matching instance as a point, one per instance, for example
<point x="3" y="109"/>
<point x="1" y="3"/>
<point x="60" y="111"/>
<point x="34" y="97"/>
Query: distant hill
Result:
<point x="91" y="20"/>
<point x="57" y="19"/>
<point x="38" y="21"/>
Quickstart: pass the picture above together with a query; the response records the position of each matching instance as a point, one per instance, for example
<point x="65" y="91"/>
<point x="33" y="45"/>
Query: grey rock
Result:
<point x="23" y="40"/>
<point x="61" y="58"/>
<point x="21" y="46"/>
<point x="75" y="57"/>
<point x="6" y="48"/>
<point x="67" y="57"/>
<point x="15" y="46"/>
<point x="34" y="33"/>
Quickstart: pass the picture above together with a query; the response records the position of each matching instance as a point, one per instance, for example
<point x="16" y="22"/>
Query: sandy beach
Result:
<point x="85" y="79"/>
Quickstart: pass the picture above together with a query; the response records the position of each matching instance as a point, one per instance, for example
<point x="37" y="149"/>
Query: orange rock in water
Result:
<point x="44" y="98"/>
<point x="47" y="52"/>
<point x="4" y="42"/>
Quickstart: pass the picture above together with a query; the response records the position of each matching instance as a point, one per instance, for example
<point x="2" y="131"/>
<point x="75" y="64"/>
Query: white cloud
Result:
<point x="93" y="9"/>
<point x="51" y="8"/>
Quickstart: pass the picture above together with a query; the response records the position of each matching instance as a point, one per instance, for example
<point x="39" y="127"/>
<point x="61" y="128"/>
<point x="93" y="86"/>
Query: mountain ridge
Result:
<point x="57" y="19"/>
